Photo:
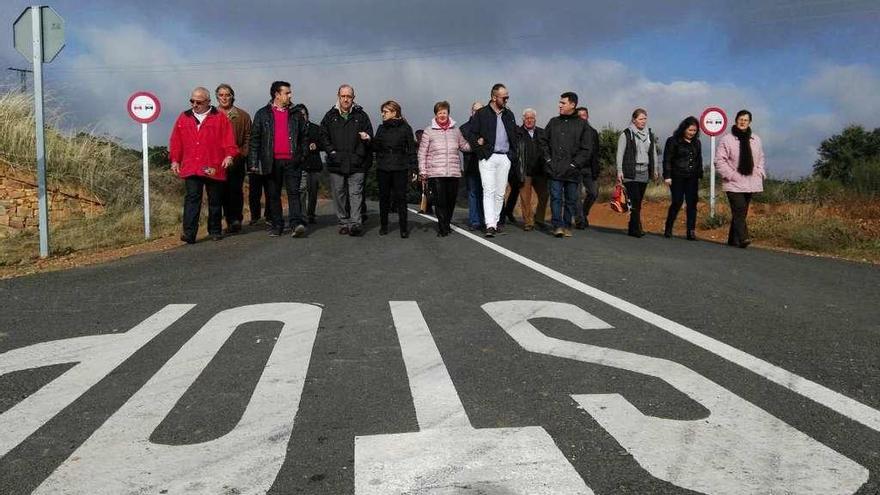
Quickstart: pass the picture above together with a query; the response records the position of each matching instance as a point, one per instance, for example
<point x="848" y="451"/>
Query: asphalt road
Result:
<point x="523" y="364"/>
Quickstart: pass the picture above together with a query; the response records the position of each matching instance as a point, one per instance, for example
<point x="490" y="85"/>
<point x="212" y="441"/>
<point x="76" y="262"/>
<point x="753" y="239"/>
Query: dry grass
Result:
<point x="809" y="227"/>
<point x="111" y="172"/>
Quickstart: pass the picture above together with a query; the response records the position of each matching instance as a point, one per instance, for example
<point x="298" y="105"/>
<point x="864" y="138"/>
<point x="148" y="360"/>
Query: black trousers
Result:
<point x="636" y="192"/>
<point x="286" y="174"/>
<point x="257" y="186"/>
<point x="683" y="189"/>
<point x="591" y="190"/>
<point x="192" y="205"/>
<point x="739" y="210"/>
<point x="444" y="191"/>
<point x="393" y="186"/>
<point x="233" y="193"/>
<point x="512" y="198"/>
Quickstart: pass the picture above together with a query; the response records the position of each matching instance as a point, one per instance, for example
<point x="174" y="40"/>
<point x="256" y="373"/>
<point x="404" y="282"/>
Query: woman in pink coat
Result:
<point x="440" y="164"/>
<point x="739" y="161"/>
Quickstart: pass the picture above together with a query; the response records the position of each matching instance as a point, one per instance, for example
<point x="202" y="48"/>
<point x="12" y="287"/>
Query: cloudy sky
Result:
<point x="805" y="68"/>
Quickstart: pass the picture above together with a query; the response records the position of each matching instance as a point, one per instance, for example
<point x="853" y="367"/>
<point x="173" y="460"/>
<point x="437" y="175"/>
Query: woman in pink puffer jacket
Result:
<point x="440" y="164"/>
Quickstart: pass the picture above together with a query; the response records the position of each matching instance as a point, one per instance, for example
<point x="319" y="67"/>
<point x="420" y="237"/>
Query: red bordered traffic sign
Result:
<point x="144" y="107"/>
<point x="713" y="121"/>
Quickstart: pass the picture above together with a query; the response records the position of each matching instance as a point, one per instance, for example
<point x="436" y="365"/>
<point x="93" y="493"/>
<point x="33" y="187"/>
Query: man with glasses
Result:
<point x="277" y="151"/>
<point x="201" y="148"/>
<point x="345" y="138"/>
<point x="492" y="134"/>
<point x="233" y="197"/>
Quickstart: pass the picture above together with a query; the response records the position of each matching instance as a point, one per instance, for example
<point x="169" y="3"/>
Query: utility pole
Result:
<point x="23" y="75"/>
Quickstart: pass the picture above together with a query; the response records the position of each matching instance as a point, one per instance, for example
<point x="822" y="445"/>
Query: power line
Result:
<point x="23" y="75"/>
<point x="332" y="59"/>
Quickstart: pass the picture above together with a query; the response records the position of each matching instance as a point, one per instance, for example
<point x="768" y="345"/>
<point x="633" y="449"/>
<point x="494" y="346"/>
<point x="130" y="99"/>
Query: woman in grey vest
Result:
<point x="637" y="163"/>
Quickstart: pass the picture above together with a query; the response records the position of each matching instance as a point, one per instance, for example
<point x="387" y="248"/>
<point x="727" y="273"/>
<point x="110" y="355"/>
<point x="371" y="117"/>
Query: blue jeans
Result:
<point x="563" y="195"/>
<point x="475" y="200"/>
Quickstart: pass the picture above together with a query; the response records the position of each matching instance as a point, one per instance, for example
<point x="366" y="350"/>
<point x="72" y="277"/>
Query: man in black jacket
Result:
<point x="345" y="138"/>
<point x="566" y="150"/>
<point x="312" y="167"/>
<point x="591" y="174"/>
<point x="531" y="162"/>
<point x="474" y="184"/>
<point x="280" y="162"/>
<point x="492" y="136"/>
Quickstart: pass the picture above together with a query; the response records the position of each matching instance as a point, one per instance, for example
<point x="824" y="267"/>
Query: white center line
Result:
<point x="836" y="401"/>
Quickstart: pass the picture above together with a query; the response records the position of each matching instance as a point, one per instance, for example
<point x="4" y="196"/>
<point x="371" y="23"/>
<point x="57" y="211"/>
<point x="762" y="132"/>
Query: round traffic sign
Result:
<point x="713" y="121"/>
<point x="143" y="107"/>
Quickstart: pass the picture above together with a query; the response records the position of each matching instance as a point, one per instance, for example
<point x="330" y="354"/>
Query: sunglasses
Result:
<point x="197" y="102"/>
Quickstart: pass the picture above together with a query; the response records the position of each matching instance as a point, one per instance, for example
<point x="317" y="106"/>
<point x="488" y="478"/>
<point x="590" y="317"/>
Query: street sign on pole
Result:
<point x="144" y="107"/>
<point x="38" y="34"/>
<point x="713" y="122"/>
<point x="52" y="32"/>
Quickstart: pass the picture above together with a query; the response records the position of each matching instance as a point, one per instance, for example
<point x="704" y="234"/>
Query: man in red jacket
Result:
<point x="202" y="146"/>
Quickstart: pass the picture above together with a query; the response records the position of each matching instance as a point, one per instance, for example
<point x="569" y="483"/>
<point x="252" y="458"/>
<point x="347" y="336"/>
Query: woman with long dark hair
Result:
<point x="636" y="164"/>
<point x="739" y="161"/>
<point x="682" y="171"/>
<point x="440" y="164"/>
<point x="395" y="150"/>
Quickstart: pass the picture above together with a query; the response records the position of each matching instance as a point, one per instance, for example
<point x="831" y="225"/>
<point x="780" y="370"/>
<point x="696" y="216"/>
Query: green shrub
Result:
<point x="866" y="178"/>
<point x="720" y="219"/>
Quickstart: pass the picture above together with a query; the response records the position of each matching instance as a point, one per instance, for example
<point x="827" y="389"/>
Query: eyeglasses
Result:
<point x="197" y="102"/>
<point x="505" y="98"/>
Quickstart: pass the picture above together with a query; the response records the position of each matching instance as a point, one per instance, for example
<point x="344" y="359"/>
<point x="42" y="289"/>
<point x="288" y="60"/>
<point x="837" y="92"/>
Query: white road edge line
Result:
<point x="836" y="401"/>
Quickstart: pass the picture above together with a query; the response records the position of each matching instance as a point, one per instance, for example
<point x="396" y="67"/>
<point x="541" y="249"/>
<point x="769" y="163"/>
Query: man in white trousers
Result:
<point x="492" y="134"/>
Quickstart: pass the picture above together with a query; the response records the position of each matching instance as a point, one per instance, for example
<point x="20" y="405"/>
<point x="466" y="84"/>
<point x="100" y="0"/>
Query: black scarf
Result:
<point x="746" y="162"/>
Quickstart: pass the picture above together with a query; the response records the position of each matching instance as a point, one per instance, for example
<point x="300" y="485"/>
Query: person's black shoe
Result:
<point x="383" y="230"/>
<point x="254" y="221"/>
<point x="355" y="230"/>
<point x="635" y="233"/>
<point x="343" y="230"/>
<point x="511" y="218"/>
<point x="580" y="225"/>
<point x="216" y="237"/>
<point x="299" y="231"/>
<point x="667" y="232"/>
<point x="312" y="220"/>
<point x="745" y="243"/>
<point x="234" y="228"/>
<point x="187" y="239"/>
<point x="490" y="232"/>
<point x="499" y="228"/>
<point x="691" y="235"/>
<point x="364" y="218"/>
<point x="404" y="234"/>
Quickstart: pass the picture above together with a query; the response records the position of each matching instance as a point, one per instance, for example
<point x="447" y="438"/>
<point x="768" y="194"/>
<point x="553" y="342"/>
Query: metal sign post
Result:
<point x="38" y="34"/>
<point x="713" y="121"/>
<point x="36" y="27"/>
<point x="144" y="107"/>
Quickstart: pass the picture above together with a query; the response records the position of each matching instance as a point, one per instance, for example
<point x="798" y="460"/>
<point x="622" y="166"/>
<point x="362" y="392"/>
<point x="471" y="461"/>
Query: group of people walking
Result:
<point x="214" y="148"/>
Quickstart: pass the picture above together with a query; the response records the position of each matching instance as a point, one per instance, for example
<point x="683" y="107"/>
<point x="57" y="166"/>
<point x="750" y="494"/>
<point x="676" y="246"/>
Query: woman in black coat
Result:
<point x="395" y="149"/>
<point x="682" y="171"/>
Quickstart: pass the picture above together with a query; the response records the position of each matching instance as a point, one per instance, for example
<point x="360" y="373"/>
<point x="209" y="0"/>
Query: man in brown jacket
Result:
<point x="233" y="197"/>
